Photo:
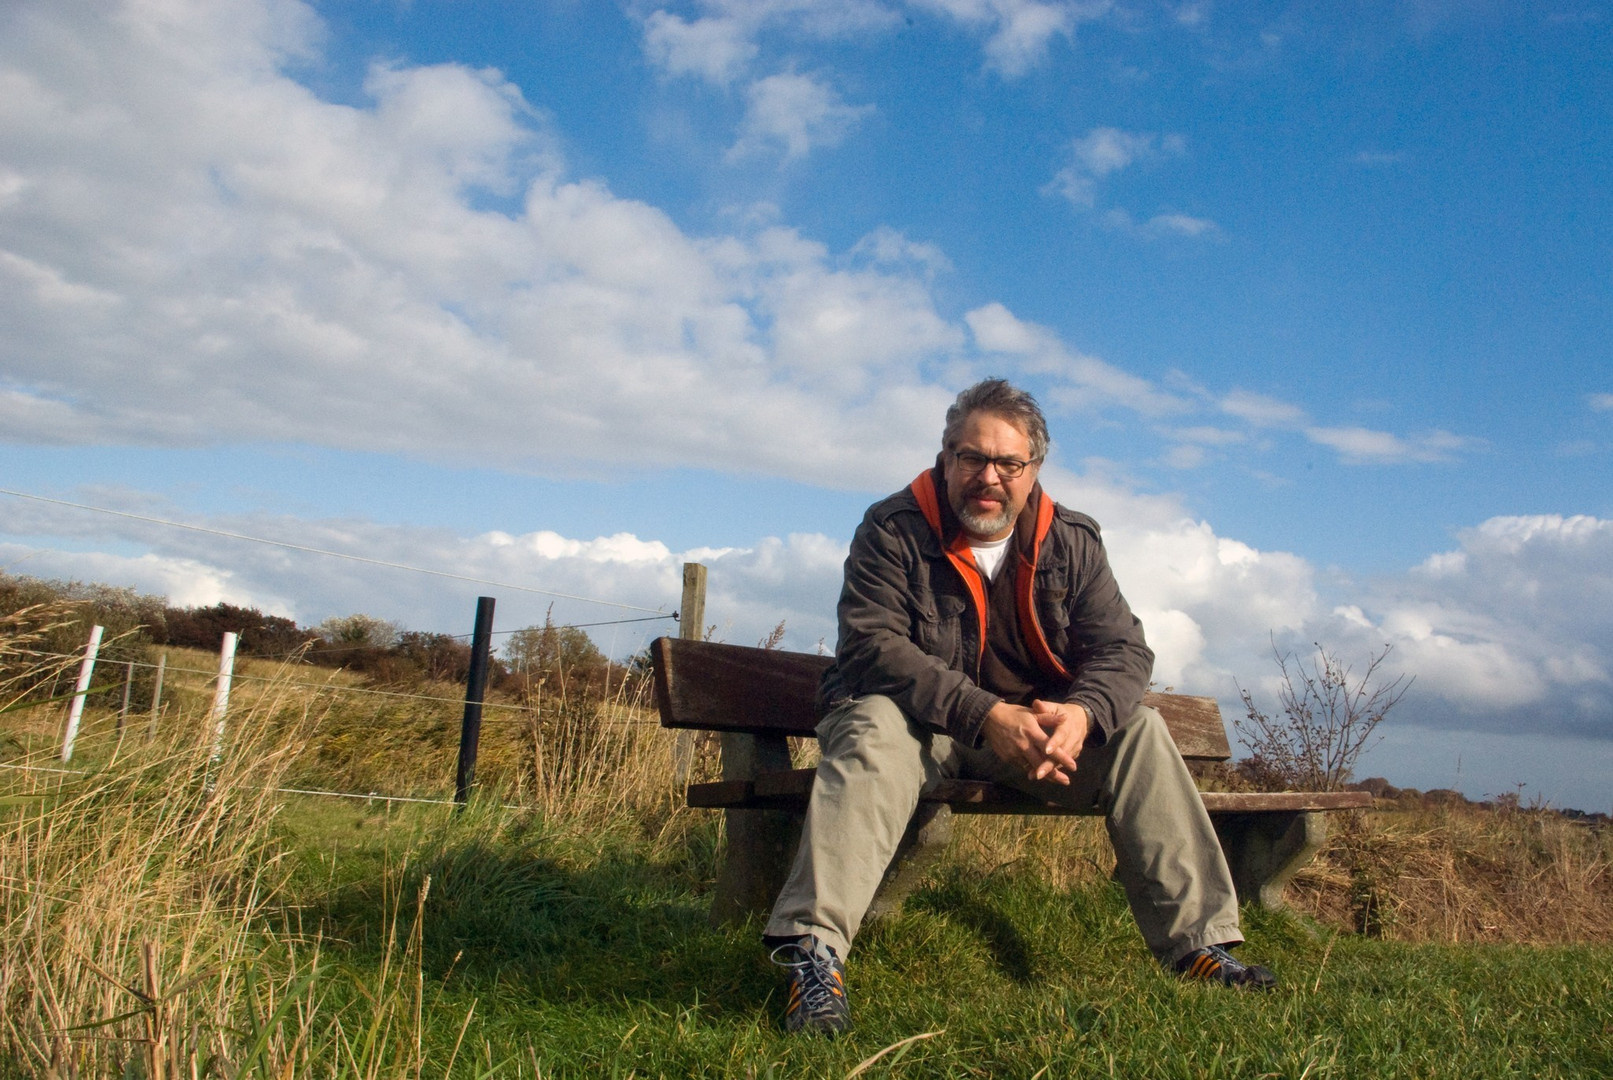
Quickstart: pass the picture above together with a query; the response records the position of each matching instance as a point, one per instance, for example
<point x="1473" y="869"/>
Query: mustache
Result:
<point x="987" y="490"/>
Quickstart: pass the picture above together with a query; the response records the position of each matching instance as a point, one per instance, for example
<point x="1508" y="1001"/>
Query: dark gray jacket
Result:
<point x="910" y="630"/>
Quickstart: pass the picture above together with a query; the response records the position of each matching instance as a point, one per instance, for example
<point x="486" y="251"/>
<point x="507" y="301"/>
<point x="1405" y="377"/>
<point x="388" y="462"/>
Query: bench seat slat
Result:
<point x="791" y="789"/>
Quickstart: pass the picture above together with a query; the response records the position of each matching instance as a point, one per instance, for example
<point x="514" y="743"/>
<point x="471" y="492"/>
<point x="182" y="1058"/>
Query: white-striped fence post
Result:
<point x="221" y="693"/>
<point x="156" y="697"/>
<point x="75" y="711"/>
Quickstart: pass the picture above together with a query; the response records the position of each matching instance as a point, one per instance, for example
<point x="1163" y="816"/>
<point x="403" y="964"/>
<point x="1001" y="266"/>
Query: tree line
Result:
<point x="547" y="658"/>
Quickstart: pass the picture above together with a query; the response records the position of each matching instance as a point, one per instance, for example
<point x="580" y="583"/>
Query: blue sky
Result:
<point x="563" y="293"/>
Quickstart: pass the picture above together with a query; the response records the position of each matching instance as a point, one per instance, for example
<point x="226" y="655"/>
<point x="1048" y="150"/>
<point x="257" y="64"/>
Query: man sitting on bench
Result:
<point x="982" y="636"/>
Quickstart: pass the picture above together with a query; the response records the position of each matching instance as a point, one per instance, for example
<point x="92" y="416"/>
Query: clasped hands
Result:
<point x="1044" y="739"/>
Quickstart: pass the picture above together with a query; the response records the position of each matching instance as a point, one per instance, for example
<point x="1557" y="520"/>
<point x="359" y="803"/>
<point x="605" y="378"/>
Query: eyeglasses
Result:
<point x="970" y="462"/>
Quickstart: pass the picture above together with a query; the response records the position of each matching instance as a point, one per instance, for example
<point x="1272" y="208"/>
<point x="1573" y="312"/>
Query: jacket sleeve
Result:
<point x="879" y="650"/>
<point x="1111" y="660"/>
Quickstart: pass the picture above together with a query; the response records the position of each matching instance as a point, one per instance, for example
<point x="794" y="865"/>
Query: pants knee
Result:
<point x="874" y="732"/>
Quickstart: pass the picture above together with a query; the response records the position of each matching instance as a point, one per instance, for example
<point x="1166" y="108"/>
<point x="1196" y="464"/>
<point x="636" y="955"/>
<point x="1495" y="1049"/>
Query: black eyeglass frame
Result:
<point x="1008" y="468"/>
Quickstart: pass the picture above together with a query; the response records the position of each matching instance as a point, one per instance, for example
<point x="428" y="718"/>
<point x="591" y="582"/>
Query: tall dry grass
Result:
<point x="131" y="884"/>
<point x="1463" y="874"/>
<point x="142" y="888"/>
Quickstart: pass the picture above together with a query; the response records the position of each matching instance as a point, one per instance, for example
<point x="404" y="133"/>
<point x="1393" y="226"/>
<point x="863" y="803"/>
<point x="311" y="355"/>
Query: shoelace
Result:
<point x="816" y="978"/>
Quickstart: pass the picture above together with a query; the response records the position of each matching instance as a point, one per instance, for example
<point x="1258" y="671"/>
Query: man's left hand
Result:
<point x="1066" y="724"/>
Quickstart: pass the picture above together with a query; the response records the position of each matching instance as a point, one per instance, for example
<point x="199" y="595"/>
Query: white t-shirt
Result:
<point x="989" y="555"/>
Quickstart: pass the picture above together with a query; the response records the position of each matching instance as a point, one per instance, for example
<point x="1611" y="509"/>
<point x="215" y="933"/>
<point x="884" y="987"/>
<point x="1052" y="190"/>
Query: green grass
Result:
<point x="330" y="938"/>
<point x="589" y="955"/>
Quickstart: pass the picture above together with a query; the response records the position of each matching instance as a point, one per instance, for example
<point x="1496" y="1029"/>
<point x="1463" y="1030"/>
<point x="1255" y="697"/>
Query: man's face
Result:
<point x="986" y="502"/>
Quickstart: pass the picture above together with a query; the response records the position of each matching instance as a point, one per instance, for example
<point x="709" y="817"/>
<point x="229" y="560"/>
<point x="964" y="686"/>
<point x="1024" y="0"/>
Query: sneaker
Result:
<point x="817" y="999"/>
<point x="1213" y="963"/>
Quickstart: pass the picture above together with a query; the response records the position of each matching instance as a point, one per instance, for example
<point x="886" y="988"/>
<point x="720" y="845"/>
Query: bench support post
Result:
<point x="1265" y="851"/>
<point x="926" y="839"/>
<point x="760" y="843"/>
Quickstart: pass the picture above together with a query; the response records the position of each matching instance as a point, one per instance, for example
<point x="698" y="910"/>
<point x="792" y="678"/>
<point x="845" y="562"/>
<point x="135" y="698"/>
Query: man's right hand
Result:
<point x="1017" y="736"/>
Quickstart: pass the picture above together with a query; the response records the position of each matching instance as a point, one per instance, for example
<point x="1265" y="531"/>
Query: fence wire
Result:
<point x="324" y="687"/>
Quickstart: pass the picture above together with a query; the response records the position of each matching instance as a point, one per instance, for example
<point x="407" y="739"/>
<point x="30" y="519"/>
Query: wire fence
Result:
<point x="319" y="687"/>
<point x="367" y="796"/>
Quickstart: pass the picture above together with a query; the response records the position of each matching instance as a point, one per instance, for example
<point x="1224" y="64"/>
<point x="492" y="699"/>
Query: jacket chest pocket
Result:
<point x="1053" y="612"/>
<point x="940" y="628"/>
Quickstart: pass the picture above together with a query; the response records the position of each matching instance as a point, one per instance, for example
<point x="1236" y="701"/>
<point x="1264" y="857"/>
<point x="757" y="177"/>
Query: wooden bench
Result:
<point x="757" y="698"/>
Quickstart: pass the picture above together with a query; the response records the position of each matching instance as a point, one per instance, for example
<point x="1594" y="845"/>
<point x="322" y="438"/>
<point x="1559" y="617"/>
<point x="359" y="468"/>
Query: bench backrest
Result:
<point x="713" y="687"/>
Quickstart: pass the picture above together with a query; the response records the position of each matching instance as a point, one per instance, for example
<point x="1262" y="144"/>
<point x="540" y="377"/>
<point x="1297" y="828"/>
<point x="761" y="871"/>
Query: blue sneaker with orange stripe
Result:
<point x="1214" y="964"/>
<point x="817" y="998"/>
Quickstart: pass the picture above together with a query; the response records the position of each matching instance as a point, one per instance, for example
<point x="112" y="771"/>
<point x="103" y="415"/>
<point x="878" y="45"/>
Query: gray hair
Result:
<point x="1002" y="399"/>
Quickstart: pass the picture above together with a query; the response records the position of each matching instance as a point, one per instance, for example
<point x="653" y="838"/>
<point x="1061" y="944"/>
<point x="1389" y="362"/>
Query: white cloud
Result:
<point x="194" y="247"/>
<point x="1601" y="402"/>
<point x="715" y="48"/>
<point x="1360" y="445"/>
<point x="1178" y="225"/>
<point x="1082" y="382"/>
<point x="1020" y="31"/>
<point x="1261" y="410"/>
<point x="1160" y="226"/>
<point x="1186" y="456"/>
<point x="1513" y="629"/>
<point x="1104" y="151"/>
<point x="1207" y="435"/>
<point x="886" y="245"/>
<point x="794" y="114"/>
<point x="727" y="38"/>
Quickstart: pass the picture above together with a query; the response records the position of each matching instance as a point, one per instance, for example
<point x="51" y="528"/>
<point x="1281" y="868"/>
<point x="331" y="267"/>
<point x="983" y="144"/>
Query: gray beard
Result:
<point x="977" y="525"/>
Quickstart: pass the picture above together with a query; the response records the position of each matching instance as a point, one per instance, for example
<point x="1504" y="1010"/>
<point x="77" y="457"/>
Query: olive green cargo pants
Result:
<point x="876" y="763"/>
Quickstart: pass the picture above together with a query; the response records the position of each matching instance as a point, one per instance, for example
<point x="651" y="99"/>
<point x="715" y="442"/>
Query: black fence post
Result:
<point x="470" y="732"/>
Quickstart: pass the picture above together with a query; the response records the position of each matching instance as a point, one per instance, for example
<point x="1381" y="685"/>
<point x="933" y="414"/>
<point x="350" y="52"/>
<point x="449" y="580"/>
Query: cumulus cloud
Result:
<point x="1081" y="381"/>
<point x="793" y="114"/>
<point x="1512" y="629"/>
<point x="193" y="246"/>
<point x="714" y="48"/>
<point x="749" y="589"/>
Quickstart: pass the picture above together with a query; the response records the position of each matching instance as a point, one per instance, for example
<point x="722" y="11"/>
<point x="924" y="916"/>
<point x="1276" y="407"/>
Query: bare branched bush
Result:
<point x="1326" y="719"/>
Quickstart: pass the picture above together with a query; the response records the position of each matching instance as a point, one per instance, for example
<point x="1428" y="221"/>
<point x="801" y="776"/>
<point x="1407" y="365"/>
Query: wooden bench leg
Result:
<point x="926" y="838"/>
<point x="760" y="843"/>
<point x="1265" y="851"/>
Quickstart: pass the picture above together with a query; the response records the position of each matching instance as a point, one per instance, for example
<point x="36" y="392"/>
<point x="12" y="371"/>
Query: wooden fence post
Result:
<point x="221" y="692"/>
<point x="75" y="711"/>
<point x="470" y="731"/>
<point x="691" y="627"/>
<point x="128" y="687"/>
<point x="156" y="697"/>
<point x="761" y="843"/>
